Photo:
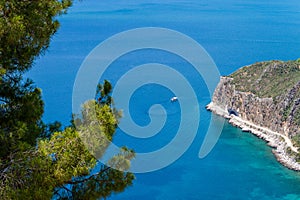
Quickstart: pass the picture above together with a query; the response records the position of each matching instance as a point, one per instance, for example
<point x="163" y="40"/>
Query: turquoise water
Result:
<point x="235" y="33"/>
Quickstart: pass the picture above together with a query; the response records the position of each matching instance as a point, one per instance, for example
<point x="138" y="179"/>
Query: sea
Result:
<point x="234" y="33"/>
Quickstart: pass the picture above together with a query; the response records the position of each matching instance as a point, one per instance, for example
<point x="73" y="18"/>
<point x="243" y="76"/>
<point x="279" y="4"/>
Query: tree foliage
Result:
<point x="39" y="161"/>
<point x="26" y="28"/>
<point x="62" y="164"/>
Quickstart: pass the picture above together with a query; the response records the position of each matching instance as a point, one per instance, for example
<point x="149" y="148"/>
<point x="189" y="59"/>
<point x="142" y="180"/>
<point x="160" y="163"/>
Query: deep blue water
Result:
<point x="235" y="33"/>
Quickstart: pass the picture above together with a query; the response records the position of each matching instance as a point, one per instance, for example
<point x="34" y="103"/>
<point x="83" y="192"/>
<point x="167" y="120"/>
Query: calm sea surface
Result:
<point x="235" y="33"/>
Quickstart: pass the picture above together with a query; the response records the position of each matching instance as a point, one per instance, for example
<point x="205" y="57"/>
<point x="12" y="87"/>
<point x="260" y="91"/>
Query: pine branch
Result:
<point x="89" y="178"/>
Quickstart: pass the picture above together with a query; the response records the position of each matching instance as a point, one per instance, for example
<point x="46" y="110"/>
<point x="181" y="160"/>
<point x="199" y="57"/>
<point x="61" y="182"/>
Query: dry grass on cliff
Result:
<point x="267" y="79"/>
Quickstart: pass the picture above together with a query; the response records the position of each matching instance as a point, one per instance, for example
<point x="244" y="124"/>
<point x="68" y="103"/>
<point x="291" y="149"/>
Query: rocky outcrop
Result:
<point x="274" y="119"/>
<point x="264" y="112"/>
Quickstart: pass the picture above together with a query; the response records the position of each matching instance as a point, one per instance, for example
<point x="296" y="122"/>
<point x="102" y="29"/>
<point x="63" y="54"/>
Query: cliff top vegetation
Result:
<point x="267" y="79"/>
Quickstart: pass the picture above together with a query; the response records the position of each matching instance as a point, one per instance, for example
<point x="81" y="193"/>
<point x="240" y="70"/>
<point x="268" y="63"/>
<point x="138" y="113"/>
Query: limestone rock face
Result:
<point x="279" y="113"/>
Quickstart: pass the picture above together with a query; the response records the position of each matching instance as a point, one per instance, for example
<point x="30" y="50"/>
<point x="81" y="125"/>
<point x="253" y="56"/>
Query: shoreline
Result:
<point x="277" y="141"/>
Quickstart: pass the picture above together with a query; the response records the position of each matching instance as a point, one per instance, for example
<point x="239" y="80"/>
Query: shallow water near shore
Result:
<point x="234" y="33"/>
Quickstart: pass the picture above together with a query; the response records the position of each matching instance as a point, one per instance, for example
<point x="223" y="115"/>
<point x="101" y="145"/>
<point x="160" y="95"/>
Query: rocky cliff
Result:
<point x="266" y="94"/>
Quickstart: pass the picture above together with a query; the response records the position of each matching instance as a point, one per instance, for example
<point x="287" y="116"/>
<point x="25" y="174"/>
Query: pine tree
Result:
<point x="39" y="161"/>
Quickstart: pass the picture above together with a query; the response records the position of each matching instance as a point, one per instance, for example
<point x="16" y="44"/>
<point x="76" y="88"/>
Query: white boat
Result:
<point x="173" y="99"/>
